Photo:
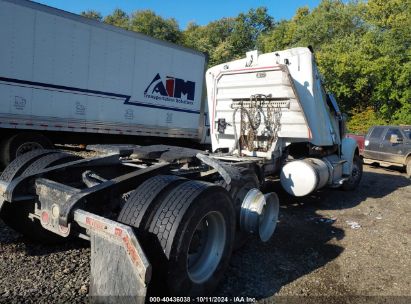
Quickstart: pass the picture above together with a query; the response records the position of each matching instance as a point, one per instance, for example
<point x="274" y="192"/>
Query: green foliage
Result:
<point x="246" y="29"/>
<point x="92" y="15"/>
<point x="144" y="21"/>
<point x="147" y="22"/>
<point x="228" y="38"/>
<point x="362" y="48"/>
<point x="361" y="120"/>
<point x="212" y="39"/>
<point x="118" y="18"/>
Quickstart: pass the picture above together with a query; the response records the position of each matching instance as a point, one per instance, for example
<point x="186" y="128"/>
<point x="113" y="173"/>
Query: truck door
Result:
<point x="392" y="146"/>
<point x="372" y="144"/>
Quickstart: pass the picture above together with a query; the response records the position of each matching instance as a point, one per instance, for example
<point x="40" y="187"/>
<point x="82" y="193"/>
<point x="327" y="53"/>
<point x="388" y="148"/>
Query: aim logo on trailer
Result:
<point x="172" y="87"/>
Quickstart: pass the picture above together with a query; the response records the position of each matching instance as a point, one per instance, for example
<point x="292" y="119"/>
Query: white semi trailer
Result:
<point x="64" y="78"/>
<point x="173" y="215"/>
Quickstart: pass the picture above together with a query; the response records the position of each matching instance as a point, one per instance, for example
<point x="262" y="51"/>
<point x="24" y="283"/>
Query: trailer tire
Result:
<point x="142" y="203"/>
<point x="49" y="161"/>
<point x="16" y="215"/>
<point x="18" y="165"/>
<point x="22" y="143"/>
<point x="242" y="181"/>
<point x="193" y="230"/>
<point x="356" y="174"/>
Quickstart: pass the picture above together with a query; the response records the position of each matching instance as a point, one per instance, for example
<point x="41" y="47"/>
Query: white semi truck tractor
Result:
<point x="173" y="215"/>
<point x="274" y="107"/>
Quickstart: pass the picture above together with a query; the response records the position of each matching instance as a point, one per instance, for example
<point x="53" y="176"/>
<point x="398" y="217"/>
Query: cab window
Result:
<point x="376" y="133"/>
<point x="407" y="133"/>
<point x="392" y="132"/>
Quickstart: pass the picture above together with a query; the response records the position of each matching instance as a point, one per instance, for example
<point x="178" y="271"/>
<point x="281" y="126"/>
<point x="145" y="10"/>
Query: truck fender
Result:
<point x="348" y="148"/>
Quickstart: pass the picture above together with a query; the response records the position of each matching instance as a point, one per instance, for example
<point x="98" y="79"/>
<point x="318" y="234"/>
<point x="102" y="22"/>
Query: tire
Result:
<point x="141" y="205"/>
<point x="408" y="167"/>
<point x="243" y="180"/>
<point x="193" y="231"/>
<point x="17" y="166"/>
<point x="16" y="215"/>
<point x="22" y="143"/>
<point x="356" y="175"/>
<point x="49" y="160"/>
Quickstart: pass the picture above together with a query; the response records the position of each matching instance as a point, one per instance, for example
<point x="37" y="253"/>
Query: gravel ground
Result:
<point x="332" y="243"/>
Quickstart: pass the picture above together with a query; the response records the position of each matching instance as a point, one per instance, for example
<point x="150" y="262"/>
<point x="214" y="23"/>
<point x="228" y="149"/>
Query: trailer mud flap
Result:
<point x="120" y="270"/>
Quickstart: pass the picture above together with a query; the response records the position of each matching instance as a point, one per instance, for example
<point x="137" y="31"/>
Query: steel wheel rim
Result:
<point x="355" y="172"/>
<point x="27" y="147"/>
<point x="206" y="247"/>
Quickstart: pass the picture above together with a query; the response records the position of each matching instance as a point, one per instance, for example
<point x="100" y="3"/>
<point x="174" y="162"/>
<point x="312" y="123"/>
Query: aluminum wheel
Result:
<point x="206" y="247"/>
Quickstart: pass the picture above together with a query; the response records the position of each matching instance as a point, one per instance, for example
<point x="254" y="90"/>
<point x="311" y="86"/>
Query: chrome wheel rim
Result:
<point x="206" y="247"/>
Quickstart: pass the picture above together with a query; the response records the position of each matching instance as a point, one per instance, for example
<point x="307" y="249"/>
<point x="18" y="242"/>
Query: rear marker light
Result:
<point x="45" y="219"/>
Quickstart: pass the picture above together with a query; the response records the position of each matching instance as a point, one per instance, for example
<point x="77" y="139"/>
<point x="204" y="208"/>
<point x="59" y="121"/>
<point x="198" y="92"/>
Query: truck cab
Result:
<point x="389" y="144"/>
<point x="273" y="107"/>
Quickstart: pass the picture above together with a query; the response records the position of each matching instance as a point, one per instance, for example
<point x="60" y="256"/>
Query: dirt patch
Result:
<point x="333" y="243"/>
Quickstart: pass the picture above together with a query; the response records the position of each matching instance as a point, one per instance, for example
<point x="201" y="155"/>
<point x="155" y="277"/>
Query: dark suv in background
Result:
<point x="389" y="144"/>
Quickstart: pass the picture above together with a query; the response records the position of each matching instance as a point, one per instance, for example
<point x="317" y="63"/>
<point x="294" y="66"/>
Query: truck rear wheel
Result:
<point x="22" y="143"/>
<point x="356" y="174"/>
<point x="243" y="180"/>
<point x="140" y="207"/>
<point x="16" y="215"/>
<point x="193" y="229"/>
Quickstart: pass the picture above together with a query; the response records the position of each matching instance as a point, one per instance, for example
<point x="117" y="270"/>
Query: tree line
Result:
<point x="362" y="48"/>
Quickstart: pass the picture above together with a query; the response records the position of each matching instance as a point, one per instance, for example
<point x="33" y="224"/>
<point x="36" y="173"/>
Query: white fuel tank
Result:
<point x="301" y="177"/>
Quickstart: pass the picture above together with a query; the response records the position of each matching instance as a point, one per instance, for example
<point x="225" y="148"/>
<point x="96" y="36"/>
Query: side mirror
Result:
<point x="394" y="139"/>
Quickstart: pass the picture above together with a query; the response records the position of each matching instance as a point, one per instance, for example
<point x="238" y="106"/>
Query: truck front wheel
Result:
<point x="356" y="174"/>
